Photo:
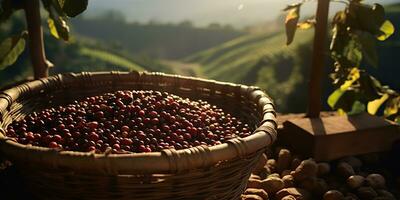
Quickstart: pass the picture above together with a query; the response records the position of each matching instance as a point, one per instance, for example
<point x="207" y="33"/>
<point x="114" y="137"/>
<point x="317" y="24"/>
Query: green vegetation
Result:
<point x="58" y="12"/>
<point x="110" y="58"/>
<point x="219" y="53"/>
<point x="169" y="41"/>
<point x="263" y="60"/>
<point x="355" y="30"/>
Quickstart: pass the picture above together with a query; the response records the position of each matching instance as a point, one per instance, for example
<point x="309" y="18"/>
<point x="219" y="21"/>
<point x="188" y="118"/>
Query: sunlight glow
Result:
<point x="240" y="7"/>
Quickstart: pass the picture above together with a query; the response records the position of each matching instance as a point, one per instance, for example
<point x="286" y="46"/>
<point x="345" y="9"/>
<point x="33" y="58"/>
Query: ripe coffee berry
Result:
<point x="128" y="121"/>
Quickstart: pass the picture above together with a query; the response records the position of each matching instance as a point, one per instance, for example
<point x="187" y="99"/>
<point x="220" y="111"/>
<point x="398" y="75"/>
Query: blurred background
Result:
<point x="241" y="41"/>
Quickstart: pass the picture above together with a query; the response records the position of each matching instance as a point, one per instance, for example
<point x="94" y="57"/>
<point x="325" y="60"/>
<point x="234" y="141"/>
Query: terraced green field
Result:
<point x="243" y="55"/>
<point x="263" y="60"/>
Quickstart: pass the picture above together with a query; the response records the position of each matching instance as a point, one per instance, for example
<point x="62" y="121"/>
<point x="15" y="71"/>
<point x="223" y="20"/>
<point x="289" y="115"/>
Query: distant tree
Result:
<point x="186" y="23"/>
<point x="228" y="27"/>
<point x="214" y="25"/>
<point x="154" y="22"/>
<point x="113" y="16"/>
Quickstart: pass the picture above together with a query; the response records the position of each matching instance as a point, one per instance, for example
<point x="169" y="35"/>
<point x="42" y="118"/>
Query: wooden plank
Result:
<point x="332" y="137"/>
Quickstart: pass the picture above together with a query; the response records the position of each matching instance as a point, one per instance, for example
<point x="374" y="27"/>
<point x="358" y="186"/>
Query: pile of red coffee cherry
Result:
<point x="128" y="121"/>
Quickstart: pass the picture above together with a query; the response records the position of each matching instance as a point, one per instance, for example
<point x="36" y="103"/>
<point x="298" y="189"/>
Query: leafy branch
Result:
<point x="58" y="13"/>
<point x="355" y="31"/>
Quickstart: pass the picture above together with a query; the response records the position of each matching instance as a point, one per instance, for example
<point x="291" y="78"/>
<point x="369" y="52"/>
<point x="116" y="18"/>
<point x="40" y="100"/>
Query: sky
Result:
<point x="238" y="13"/>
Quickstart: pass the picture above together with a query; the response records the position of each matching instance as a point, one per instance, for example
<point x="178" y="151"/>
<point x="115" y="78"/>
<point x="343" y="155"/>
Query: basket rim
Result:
<point x="166" y="161"/>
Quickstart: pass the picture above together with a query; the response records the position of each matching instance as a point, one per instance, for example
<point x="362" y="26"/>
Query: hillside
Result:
<point x="79" y="55"/>
<point x="245" y="54"/>
<point x="109" y="57"/>
<point x="169" y="41"/>
<point x="75" y="56"/>
<point x="263" y="60"/>
<point x="215" y="52"/>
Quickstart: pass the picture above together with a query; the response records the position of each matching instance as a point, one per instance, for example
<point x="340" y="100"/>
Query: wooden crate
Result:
<point x="332" y="137"/>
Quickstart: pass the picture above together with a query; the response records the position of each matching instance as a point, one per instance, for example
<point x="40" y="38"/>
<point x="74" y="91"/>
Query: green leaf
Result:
<point x="392" y="106"/>
<point x="386" y="30"/>
<point x="367" y="18"/>
<point x="10" y="49"/>
<point x="357" y="108"/>
<point x="52" y="27"/>
<point x="338" y="93"/>
<point x="397" y="120"/>
<point x="73" y="7"/>
<point x="375" y="82"/>
<point x="334" y="97"/>
<point x="58" y="28"/>
<point x="291" y="23"/>
<point x="57" y="6"/>
<point x="378" y="13"/>
<point x="368" y="43"/>
<point x="367" y="86"/>
<point x="373" y="106"/>
<point x="372" y="19"/>
<point x="346" y="101"/>
<point x="353" y="52"/>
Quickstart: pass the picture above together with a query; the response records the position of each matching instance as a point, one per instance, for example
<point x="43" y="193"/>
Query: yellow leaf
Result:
<point x="392" y="106"/>
<point x="53" y="29"/>
<point x="387" y="30"/>
<point x="341" y="112"/>
<point x="293" y="14"/>
<point x="374" y="105"/>
<point x="58" y="27"/>
<point x="291" y="23"/>
<point x="391" y="111"/>
<point x="353" y="76"/>
<point x="306" y="24"/>
<point x="334" y="97"/>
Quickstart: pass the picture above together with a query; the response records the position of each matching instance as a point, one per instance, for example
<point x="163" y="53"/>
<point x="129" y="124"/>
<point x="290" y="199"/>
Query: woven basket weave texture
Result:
<point x="218" y="172"/>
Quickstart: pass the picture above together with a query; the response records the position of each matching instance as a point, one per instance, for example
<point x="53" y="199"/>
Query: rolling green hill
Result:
<point x="264" y="60"/>
<point x="168" y="41"/>
<point x="246" y="54"/>
<point x="110" y="58"/>
<point x="219" y="53"/>
<point x="76" y="56"/>
<point x="260" y="59"/>
<point x="80" y="55"/>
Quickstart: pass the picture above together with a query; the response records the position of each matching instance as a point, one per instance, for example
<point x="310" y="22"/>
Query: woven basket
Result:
<point x="217" y="172"/>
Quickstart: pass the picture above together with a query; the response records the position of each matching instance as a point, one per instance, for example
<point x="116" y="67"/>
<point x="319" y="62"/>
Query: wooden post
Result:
<point x="35" y="39"/>
<point x="318" y="58"/>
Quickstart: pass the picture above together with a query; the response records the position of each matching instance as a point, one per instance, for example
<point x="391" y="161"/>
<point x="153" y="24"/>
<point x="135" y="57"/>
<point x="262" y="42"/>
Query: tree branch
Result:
<point x="315" y="84"/>
<point x="35" y="39"/>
